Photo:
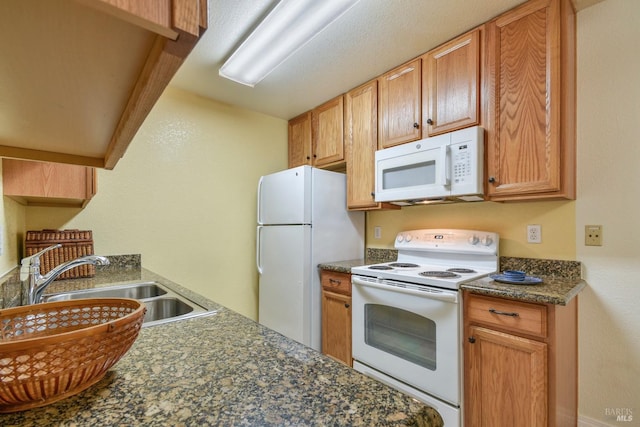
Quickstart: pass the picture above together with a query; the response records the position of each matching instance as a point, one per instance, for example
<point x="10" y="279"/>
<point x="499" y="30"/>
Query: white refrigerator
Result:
<point x="302" y="221"/>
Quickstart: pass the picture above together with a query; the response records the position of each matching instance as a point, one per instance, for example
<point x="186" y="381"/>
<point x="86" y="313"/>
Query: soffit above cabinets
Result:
<point x="78" y="78"/>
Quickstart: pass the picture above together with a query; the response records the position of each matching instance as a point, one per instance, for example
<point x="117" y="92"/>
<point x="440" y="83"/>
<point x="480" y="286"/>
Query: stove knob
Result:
<point x="400" y="238"/>
<point x="474" y="240"/>
<point x="487" y="240"/>
<point x="408" y="238"/>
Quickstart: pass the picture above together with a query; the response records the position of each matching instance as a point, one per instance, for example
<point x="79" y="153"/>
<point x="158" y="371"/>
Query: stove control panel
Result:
<point x="448" y="240"/>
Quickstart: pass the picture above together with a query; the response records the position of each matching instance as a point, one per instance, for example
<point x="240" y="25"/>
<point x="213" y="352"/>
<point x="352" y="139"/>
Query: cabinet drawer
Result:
<point x="336" y="282"/>
<point x="515" y="316"/>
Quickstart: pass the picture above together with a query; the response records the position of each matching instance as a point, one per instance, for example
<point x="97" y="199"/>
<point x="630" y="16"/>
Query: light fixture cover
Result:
<point x="288" y="27"/>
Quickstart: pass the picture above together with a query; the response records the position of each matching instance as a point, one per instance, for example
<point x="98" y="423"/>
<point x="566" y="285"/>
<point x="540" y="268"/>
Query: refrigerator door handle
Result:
<point x="258" y="247"/>
<point x="259" y="200"/>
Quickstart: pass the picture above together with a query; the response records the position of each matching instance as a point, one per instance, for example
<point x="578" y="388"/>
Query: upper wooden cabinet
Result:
<point x="361" y="143"/>
<point x="300" y="140"/>
<point x="48" y="184"/>
<point x="328" y="133"/>
<point x="451" y="85"/>
<point x="316" y="137"/>
<point x="531" y="102"/>
<point x="400" y="105"/>
<point x="84" y="74"/>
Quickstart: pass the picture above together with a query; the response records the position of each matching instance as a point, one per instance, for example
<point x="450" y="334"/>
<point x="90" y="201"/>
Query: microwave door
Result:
<point x="410" y="174"/>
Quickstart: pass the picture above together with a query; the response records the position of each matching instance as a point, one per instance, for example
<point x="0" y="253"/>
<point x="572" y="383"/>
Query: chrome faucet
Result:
<point x="33" y="283"/>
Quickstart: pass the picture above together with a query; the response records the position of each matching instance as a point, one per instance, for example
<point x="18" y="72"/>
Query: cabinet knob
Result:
<point x="346" y="305"/>
<point x="308" y="158"/>
<point x="492" y="179"/>
<point x="429" y="121"/>
<point x="373" y="194"/>
<point x="472" y="340"/>
<point x="335" y="282"/>
<point x="415" y="125"/>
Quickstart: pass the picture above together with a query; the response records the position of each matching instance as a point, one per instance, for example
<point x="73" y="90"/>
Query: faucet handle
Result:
<point x="33" y="261"/>
<point x="35" y="258"/>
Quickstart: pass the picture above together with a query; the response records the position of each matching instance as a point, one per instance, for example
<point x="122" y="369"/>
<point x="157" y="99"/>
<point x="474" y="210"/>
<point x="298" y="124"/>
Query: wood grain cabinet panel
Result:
<point x="300" y="140"/>
<point x="336" y="315"/>
<point x="327" y="124"/>
<point x="508" y="379"/>
<point x="451" y="85"/>
<point x="531" y="102"/>
<point x="361" y="143"/>
<point x="48" y="184"/>
<point x="400" y="105"/>
<point x="520" y="362"/>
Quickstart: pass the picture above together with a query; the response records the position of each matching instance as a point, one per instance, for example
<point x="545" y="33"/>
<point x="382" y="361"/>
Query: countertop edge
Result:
<point x="522" y="294"/>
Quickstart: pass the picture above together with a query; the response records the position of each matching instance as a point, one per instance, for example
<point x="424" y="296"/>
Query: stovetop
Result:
<point x="438" y="257"/>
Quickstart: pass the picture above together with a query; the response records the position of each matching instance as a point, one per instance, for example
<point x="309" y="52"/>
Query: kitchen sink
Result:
<point x="135" y="291"/>
<point x="163" y="305"/>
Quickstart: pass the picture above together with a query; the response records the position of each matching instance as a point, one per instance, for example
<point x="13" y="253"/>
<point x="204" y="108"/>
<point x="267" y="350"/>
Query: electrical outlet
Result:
<point x="593" y="235"/>
<point x="377" y="232"/>
<point x="534" y="233"/>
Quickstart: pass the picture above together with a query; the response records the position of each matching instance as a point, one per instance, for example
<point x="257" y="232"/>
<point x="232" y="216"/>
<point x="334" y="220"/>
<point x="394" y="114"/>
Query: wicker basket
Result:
<point x="75" y="243"/>
<point x="54" y="350"/>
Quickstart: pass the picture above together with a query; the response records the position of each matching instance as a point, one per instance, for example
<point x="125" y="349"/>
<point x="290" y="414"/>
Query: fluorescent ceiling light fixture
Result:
<point x="288" y="27"/>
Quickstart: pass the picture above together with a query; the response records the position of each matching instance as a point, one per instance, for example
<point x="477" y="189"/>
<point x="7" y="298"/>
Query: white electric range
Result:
<point x="407" y="313"/>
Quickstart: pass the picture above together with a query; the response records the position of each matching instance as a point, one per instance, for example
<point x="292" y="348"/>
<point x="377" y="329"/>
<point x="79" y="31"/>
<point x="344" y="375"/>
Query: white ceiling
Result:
<point x="370" y="39"/>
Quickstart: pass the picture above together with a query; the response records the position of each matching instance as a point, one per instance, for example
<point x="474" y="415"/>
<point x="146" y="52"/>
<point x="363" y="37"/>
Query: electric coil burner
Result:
<point x="406" y="314"/>
<point x="440" y="274"/>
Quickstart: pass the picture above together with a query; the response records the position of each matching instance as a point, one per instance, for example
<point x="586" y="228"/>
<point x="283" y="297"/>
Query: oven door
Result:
<point x="410" y="333"/>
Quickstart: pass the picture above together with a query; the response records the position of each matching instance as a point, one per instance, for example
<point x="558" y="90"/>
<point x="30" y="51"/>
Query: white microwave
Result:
<point x="444" y="168"/>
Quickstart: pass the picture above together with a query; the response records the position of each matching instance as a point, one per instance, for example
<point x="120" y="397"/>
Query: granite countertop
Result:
<point x="561" y="280"/>
<point x="223" y="369"/>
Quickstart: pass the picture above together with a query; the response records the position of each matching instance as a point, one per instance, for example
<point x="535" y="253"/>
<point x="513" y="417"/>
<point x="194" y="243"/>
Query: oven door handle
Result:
<point x="393" y="286"/>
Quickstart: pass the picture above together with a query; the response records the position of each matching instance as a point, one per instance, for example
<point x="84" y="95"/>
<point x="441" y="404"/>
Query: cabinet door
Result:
<point x="300" y="140"/>
<point x="400" y="108"/>
<point x="48" y="184"/>
<point x="531" y="108"/>
<point x="328" y="133"/>
<point x="361" y="140"/>
<point x="506" y="380"/>
<point x="336" y="326"/>
<point x="451" y="85"/>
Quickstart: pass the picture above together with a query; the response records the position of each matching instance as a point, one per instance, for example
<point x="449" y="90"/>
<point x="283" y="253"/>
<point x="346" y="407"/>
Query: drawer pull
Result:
<point x="335" y="282"/>
<point x="503" y="313"/>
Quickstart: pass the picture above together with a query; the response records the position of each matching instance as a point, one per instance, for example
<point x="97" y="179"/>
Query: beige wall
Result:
<point x="184" y="196"/>
<point x="510" y="220"/>
<point x="608" y="189"/>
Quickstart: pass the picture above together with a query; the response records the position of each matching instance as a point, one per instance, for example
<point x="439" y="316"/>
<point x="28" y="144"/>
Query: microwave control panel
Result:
<point x="462" y="163"/>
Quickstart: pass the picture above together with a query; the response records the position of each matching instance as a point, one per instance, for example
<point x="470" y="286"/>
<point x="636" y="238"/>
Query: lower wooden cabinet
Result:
<point x="520" y="363"/>
<point x="336" y="315"/>
<point x="48" y="184"/>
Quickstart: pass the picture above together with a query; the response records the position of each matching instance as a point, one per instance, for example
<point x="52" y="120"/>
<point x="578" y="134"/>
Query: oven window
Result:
<point x="401" y="333"/>
<point x="409" y="175"/>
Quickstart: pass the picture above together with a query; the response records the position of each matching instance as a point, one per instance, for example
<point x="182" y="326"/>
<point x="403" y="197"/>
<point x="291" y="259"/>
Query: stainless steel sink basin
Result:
<point x="162" y="308"/>
<point x="163" y="305"/>
<point x="135" y="291"/>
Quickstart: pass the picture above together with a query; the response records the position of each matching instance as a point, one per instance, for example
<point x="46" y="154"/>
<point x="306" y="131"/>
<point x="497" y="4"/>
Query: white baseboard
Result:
<point x="590" y="422"/>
